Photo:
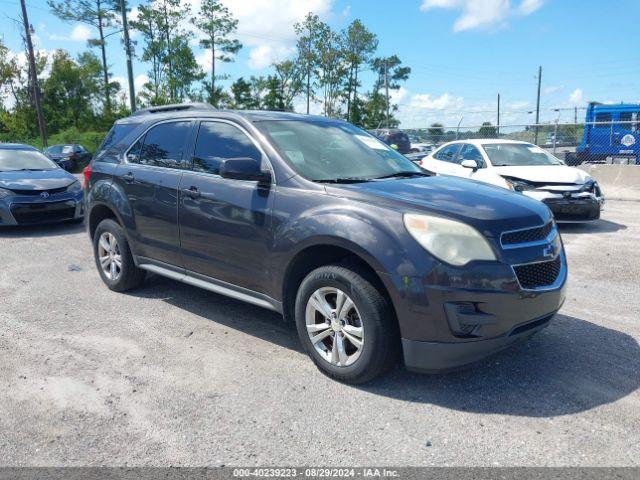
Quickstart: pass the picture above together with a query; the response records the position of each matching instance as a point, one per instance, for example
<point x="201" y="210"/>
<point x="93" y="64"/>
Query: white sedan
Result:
<point x="570" y="193"/>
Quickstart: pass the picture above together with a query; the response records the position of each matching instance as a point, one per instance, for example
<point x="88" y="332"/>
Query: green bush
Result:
<point x="90" y="140"/>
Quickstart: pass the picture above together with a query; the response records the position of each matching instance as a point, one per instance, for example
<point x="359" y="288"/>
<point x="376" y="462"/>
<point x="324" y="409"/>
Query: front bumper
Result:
<point x="434" y="357"/>
<point x="451" y="318"/>
<point x="33" y="210"/>
<point x="571" y="205"/>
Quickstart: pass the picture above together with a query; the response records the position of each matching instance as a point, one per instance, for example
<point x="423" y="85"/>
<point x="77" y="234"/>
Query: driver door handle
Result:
<point x="192" y="192"/>
<point x="128" y="177"/>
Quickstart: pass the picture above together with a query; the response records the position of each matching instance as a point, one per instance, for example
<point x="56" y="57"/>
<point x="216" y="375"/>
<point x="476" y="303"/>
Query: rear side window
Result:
<point x="447" y="154"/>
<point x="162" y="146"/>
<point x="218" y="141"/>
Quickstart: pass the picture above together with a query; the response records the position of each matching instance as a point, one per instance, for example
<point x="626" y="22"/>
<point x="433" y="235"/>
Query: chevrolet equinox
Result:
<point x="368" y="254"/>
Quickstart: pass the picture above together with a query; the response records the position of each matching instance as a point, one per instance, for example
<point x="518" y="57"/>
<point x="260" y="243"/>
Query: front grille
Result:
<point x="537" y="275"/>
<point x="27" y="213"/>
<point x="526" y="236"/>
<point x="52" y="191"/>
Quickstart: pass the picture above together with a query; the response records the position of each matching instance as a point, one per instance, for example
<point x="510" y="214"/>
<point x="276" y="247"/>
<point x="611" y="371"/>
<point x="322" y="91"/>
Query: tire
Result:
<point x="371" y="311"/>
<point x="127" y="276"/>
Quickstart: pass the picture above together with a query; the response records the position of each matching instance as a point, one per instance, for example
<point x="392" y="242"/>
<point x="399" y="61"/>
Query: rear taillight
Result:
<point x="87" y="175"/>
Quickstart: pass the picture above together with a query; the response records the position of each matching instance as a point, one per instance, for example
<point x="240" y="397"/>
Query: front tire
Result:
<point x="113" y="258"/>
<point x="346" y="324"/>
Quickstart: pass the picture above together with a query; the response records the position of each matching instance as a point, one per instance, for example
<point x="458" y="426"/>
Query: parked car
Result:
<point x="422" y="147"/>
<point x="397" y="139"/>
<point x="68" y="156"/>
<point x="322" y="222"/>
<point x="33" y="189"/>
<point x="570" y="193"/>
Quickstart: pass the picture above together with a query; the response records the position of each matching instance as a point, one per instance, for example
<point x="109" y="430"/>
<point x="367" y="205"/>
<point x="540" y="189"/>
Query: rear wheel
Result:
<point x="113" y="257"/>
<point x="346" y="324"/>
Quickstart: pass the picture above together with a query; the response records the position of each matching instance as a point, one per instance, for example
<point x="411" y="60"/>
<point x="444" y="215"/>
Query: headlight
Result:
<point x="450" y="241"/>
<point x="518" y="185"/>
<point x="4" y="193"/>
<point x="75" y="187"/>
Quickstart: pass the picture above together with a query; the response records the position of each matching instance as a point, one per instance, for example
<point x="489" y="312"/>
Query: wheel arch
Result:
<point x="316" y="255"/>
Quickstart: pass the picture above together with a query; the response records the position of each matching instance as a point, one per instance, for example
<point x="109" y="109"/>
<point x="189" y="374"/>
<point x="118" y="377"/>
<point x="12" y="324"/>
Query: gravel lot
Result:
<point x="174" y="375"/>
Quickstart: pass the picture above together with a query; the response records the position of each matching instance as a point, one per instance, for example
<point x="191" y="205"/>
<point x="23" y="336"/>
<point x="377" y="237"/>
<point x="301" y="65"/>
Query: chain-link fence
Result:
<point x="574" y="143"/>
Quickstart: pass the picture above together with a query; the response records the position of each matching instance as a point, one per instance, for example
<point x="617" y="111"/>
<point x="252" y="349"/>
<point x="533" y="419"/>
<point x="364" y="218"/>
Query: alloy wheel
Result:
<point x="334" y="326"/>
<point x="109" y="256"/>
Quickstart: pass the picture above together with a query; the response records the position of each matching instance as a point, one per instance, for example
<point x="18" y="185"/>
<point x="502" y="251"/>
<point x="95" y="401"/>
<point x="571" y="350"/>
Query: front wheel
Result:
<point x="346" y="324"/>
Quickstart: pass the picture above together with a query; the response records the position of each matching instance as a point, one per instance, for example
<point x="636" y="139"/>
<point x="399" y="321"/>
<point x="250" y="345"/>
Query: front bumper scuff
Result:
<point x="438" y="357"/>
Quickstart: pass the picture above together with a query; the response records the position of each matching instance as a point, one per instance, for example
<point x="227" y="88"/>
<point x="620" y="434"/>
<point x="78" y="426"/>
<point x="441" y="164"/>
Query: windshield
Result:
<point x="12" y="160"/>
<point x="326" y="151"/>
<point x="518" y="155"/>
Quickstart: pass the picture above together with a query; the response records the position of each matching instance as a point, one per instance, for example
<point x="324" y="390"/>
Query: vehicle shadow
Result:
<point x="49" y="230"/>
<point x="234" y="314"/>
<point x="598" y="226"/>
<point x="571" y="366"/>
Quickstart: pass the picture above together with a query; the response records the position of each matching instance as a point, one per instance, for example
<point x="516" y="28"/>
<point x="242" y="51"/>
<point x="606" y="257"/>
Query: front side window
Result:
<point x="334" y="151"/>
<point x="470" y="152"/>
<point x="163" y="145"/>
<point x="625" y="121"/>
<point x="518" y="155"/>
<point x="602" y="120"/>
<point x="219" y="141"/>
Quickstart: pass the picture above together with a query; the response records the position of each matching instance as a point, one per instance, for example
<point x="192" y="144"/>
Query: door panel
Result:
<point x="225" y="225"/>
<point x="226" y="229"/>
<point x="153" y="197"/>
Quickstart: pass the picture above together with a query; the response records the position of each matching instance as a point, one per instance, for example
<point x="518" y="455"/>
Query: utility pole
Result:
<point x="538" y="104"/>
<point x="575" y="115"/>
<point x="34" y="76"/>
<point x="386" y="87"/>
<point x="498" y="124"/>
<point x="127" y="49"/>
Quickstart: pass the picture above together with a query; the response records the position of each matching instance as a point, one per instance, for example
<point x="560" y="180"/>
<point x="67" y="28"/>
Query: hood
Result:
<point x="36" y="180"/>
<point x="545" y="173"/>
<point x="489" y="209"/>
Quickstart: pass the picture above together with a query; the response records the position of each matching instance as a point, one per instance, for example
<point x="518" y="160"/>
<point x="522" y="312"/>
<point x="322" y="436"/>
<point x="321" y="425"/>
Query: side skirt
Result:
<point x="208" y="283"/>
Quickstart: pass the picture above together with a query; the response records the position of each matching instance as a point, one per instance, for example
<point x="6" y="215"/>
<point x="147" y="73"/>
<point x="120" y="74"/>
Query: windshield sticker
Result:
<point x="371" y="142"/>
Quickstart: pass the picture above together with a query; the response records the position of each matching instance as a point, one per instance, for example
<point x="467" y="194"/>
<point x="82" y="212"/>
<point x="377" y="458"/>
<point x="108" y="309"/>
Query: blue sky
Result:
<point x="462" y="52"/>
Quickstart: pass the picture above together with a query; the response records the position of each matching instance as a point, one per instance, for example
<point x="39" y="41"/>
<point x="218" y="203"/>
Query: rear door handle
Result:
<point x="192" y="192"/>
<point x="128" y="177"/>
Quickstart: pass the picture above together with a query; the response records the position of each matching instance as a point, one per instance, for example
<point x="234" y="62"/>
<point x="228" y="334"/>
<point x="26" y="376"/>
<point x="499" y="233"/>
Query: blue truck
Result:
<point x="610" y="131"/>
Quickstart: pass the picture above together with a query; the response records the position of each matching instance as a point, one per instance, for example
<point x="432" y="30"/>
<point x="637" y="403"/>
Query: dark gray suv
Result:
<point x="314" y="218"/>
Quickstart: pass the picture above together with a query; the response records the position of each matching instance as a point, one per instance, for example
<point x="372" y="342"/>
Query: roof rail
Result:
<point x="176" y="107"/>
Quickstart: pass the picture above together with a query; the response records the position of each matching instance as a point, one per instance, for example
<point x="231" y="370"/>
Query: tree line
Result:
<point x="80" y="95"/>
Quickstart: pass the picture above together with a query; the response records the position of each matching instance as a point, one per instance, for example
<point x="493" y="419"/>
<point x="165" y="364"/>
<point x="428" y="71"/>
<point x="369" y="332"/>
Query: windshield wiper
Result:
<point x="404" y="175"/>
<point x="343" y="180"/>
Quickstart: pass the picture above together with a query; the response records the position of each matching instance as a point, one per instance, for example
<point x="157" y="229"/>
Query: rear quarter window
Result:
<point x="117" y="133"/>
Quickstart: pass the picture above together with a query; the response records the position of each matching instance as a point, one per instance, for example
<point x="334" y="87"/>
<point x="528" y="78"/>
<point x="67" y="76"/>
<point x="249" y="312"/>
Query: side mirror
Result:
<point x="244" y="169"/>
<point x="472" y="164"/>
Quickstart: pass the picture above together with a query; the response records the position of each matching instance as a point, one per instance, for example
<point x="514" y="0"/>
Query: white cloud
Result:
<point x="527" y="7"/>
<point x="577" y="97"/>
<point x="552" y="89"/>
<point x="428" y="102"/>
<point x="79" y="33"/>
<point x="265" y="27"/>
<point x="483" y="13"/>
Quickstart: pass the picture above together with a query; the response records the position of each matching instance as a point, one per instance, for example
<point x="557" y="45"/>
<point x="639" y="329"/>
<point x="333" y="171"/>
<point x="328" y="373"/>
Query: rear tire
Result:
<point x="113" y="258"/>
<point x="358" y="341"/>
